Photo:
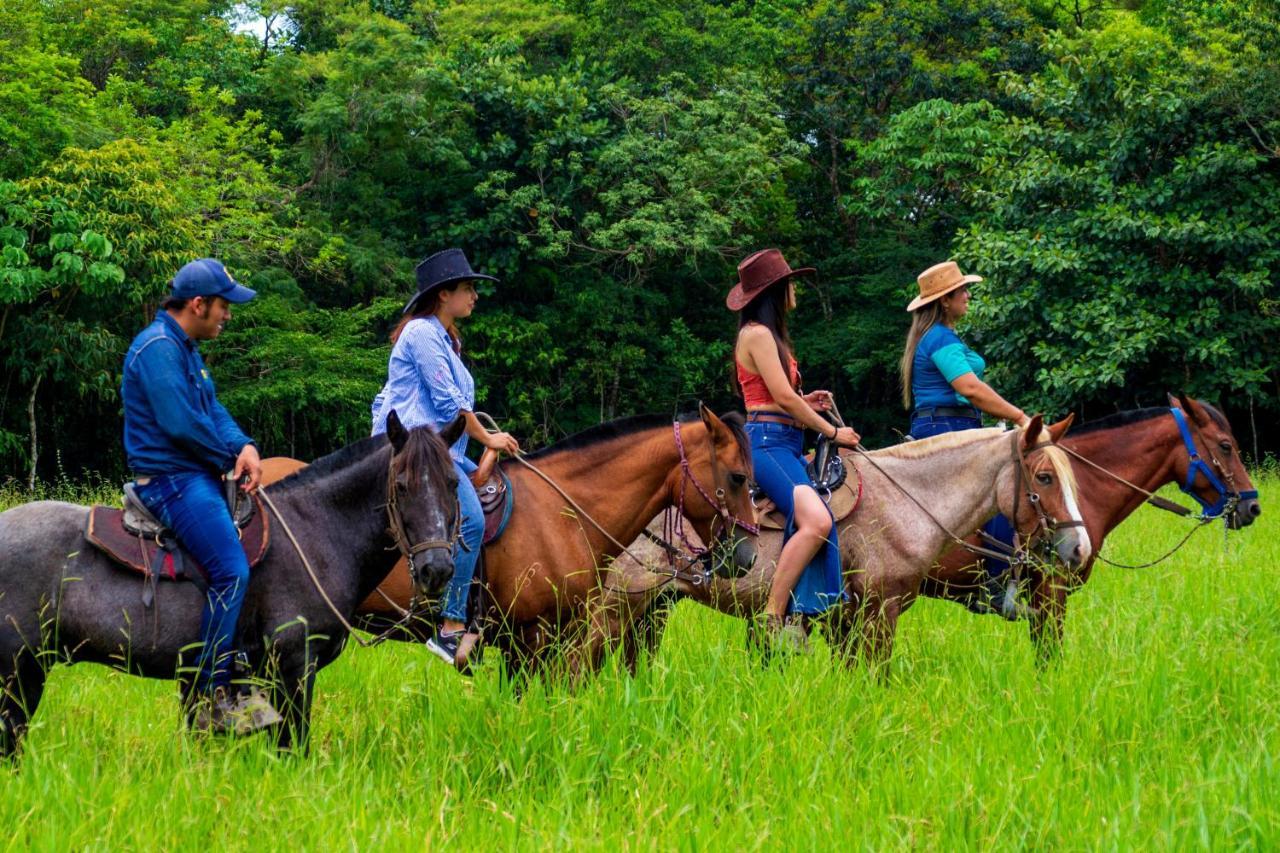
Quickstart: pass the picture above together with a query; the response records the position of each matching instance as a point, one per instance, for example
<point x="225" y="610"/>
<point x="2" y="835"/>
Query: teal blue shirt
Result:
<point x="941" y="357"/>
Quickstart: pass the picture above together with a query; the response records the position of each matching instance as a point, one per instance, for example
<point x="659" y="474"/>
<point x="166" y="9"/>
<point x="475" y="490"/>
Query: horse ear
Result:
<point x="450" y="433"/>
<point x="1031" y="433"/>
<point x="713" y="422"/>
<point x="396" y="431"/>
<point x="1174" y="403"/>
<point x="1189" y="406"/>
<point x="1058" y="430"/>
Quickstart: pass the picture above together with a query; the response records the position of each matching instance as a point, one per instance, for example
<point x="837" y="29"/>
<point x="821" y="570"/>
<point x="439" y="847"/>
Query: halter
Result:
<point x="395" y="527"/>
<point x="728" y="520"/>
<point x="1227" y="499"/>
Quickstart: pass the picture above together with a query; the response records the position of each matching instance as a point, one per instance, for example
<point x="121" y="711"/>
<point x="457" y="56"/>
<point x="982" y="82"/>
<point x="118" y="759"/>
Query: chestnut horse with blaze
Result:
<point x="547" y="569"/>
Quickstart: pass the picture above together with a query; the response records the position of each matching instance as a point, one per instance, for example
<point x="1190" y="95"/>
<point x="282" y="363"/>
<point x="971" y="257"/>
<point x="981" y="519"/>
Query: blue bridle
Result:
<point x="1227" y="500"/>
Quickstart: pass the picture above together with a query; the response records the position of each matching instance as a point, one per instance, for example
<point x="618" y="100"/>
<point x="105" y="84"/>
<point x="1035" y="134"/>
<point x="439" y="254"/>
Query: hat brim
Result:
<point x="925" y="300"/>
<point x="238" y="293"/>
<point x="408" y="306"/>
<point x="739" y="298"/>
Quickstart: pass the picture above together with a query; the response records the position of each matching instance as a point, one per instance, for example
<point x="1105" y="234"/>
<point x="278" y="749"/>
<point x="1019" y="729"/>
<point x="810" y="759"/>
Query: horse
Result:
<point x="542" y="584"/>
<point x="62" y="600"/>
<point x="914" y="496"/>
<point x="1145" y="448"/>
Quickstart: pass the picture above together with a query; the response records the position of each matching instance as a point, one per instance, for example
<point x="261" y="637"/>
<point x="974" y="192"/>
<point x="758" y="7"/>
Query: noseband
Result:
<point x="395" y="527"/>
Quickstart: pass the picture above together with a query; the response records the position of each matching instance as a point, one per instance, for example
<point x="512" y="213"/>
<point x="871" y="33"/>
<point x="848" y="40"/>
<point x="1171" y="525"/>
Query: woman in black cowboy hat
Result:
<point x="427" y="383"/>
<point x="777" y="414"/>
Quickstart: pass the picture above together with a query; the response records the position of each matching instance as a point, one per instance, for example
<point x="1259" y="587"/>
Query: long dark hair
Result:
<point x="769" y="309"/>
<point x="425" y="307"/>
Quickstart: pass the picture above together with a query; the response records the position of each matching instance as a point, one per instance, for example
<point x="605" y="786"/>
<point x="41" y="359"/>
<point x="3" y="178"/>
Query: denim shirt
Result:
<point x="427" y="383"/>
<point x="173" y="421"/>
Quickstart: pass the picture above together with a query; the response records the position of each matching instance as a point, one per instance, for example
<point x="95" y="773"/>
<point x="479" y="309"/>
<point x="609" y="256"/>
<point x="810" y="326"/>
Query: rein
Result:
<point x="396" y="529"/>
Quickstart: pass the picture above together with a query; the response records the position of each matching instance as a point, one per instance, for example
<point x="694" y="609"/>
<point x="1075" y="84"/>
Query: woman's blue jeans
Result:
<point x="999" y="528"/>
<point x="471" y="533"/>
<point x="193" y="507"/>
<point x="776" y="457"/>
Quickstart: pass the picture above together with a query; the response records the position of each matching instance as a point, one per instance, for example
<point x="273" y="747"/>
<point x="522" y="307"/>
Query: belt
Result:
<point x="772" y="418"/>
<point x="947" y="412"/>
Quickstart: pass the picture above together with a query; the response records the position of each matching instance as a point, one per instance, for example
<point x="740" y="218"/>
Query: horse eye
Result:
<point x="1226" y="446"/>
<point x="738" y="480"/>
<point x="1044" y="479"/>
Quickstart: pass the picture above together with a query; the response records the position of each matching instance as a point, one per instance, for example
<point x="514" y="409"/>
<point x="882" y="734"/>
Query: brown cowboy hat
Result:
<point x="756" y="273"/>
<point x="939" y="280"/>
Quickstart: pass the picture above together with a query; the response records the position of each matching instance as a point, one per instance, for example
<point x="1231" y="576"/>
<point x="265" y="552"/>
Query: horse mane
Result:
<point x="1120" y="419"/>
<point x="424" y="452"/>
<point x="923" y="447"/>
<point x="326" y="465"/>
<point x="628" y="426"/>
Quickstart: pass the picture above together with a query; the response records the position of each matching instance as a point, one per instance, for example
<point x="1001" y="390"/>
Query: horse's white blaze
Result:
<point x="1082" y="532"/>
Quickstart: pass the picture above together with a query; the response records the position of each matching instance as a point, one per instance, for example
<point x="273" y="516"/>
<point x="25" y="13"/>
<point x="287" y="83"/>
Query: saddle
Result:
<point x="138" y="541"/>
<point x="828" y="473"/>
<point x="496" y="499"/>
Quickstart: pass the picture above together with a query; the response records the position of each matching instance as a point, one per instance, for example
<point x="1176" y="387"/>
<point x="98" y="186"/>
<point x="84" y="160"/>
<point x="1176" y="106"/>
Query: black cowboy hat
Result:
<point x="440" y="269"/>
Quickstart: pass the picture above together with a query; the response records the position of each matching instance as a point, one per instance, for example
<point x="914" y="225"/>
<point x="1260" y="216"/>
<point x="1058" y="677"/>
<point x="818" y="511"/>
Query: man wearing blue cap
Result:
<point x="179" y="441"/>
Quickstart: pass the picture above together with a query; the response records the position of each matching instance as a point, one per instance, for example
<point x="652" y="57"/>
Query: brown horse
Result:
<point x="889" y="543"/>
<point x="1145" y="447"/>
<point x="544" y="575"/>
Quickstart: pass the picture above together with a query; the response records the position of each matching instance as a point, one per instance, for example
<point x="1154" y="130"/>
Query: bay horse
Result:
<point x="62" y="600"/>
<point x="890" y="542"/>
<point x="1147" y="448"/>
<point x="543" y="576"/>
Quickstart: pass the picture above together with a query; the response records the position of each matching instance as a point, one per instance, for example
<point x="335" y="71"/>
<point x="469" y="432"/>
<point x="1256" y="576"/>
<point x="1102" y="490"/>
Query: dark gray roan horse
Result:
<point x="62" y="600"/>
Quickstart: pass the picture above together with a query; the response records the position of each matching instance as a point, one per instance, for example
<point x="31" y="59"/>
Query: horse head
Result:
<point x="422" y="501"/>
<point x="721" y="512"/>
<point x="1212" y="471"/>
<point x="1043" y="501"/>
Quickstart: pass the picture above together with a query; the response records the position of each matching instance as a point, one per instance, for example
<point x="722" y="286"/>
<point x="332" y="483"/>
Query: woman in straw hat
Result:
<point x="777" y="414"/>
<point x="942" y="385"/>
<point x="427" y="383"/>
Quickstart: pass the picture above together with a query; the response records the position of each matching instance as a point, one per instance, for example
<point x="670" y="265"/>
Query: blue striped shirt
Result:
<point x="427" y="383"/>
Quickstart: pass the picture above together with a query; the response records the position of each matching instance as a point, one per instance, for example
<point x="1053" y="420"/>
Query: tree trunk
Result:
<point x="31" y="419"/>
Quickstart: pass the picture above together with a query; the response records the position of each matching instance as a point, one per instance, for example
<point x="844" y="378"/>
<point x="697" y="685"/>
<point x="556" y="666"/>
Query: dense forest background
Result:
<point x="1111" y="169"/>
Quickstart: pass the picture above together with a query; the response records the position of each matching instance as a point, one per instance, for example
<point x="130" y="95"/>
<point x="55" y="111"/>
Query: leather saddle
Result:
<point x="495" y="493"/>
<point x="138" y="541"/>
<point x="828" y="473"/>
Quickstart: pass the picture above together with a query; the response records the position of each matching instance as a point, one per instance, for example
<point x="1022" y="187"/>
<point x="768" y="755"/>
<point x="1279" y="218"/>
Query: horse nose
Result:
<point x="436" y="571"/>
<point x="745" y="554"/>
<point x="1073" y="549"/>
<point x="1251" y="510"/>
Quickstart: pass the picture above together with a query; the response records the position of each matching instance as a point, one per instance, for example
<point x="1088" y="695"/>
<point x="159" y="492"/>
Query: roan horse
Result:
<point x="1148" y="449"/>
<point x="889" y="543"/>
<point x="544" y="575"/>
<point x="62" y="600"/>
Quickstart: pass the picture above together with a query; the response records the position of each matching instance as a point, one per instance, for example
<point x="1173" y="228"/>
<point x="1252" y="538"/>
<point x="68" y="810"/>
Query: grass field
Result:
<point x="1160" y="728"/>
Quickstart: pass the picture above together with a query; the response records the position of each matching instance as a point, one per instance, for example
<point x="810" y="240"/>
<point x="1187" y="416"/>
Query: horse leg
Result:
<point x="291" y="693"/>
<point x="879" y="624"/>
<point x="22" y="678"/>
<point x="1048" y="616"/>
<point x="646" y="636"/>
<point x="843" y="632"/>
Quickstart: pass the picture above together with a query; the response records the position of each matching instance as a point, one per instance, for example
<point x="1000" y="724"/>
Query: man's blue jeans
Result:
<point x="193" y="507"/>
<point x="471" y="533"/>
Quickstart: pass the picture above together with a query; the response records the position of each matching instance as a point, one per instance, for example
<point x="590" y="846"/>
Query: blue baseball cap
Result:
<point x="207" y="277"/>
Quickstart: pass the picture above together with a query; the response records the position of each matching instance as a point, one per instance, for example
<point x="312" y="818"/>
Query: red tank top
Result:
<point x="754" y="392"/>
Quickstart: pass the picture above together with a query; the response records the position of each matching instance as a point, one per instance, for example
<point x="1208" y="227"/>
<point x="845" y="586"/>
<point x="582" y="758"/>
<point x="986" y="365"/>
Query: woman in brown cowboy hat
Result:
<point x="942" y="385"/>
<point x="777" y="414"/>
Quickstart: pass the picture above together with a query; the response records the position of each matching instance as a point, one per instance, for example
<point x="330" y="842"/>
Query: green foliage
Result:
<point x="1132" y="222"/>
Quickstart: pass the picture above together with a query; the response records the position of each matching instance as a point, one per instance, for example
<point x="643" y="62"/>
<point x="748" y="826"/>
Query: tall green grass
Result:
<point x="1160" y="727"/>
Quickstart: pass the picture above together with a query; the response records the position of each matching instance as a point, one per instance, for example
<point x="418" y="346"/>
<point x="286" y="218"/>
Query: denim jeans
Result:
<point x="778" y="468"/>
<point x="193" y="507"/>
<point x="471" y="532"/>
<point x="1000" y="528"/>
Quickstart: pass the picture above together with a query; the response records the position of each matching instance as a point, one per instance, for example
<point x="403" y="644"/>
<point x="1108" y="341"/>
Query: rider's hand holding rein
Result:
<point x="250" y="463"/>
<point x="503" y="442"/>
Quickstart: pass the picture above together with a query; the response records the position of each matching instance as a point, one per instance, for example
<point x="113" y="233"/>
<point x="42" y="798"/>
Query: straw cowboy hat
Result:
<point x="756" y="273"/>
<point x="939" y="280"/>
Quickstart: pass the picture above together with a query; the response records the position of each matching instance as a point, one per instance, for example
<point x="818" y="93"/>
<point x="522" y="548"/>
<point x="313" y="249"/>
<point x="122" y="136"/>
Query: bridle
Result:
<point x="673" y="522"/>
<point x="1229" y="497"/>
<point x="396" y="528"/>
